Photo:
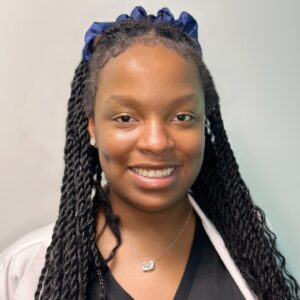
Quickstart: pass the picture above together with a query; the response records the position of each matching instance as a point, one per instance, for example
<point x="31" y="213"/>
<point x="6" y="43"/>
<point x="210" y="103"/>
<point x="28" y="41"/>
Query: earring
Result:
<point x="92" y="141"/>
<point x="103" y="181"/>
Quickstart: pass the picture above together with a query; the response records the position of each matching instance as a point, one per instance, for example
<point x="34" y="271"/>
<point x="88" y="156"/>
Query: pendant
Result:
<point x="148" y="266"/>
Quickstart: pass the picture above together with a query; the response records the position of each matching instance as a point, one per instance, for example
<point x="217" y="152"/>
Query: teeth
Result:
<point x="154" y="173"/>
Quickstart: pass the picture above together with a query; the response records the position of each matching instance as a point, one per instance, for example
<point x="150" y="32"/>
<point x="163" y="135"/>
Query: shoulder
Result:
<point x="27" y="243"/>
<point x="21" y="264"/>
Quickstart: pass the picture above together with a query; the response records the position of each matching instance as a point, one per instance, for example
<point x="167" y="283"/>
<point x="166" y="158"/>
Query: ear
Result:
<point x="91" y="127"/>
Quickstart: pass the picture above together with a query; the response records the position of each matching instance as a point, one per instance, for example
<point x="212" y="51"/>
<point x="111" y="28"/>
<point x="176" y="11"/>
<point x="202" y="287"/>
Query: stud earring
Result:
<point x="92" y="141"/>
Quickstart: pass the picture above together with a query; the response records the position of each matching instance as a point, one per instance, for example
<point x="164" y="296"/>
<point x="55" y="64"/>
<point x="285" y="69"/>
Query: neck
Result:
<point x="140" y="221"/>
<point x="151" y="232"/>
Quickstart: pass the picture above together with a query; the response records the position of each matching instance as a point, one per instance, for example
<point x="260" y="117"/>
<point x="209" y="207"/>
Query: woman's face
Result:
<point x="149" y="126"/>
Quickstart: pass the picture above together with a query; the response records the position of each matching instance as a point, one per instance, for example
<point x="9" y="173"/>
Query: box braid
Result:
<point x="218" y="189"/>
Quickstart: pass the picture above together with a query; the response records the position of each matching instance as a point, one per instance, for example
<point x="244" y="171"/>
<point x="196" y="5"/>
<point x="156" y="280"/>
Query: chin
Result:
<point x="156" y="202"/>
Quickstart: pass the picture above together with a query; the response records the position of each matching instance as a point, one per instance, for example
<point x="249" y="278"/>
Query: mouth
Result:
<point x="156" y="176"/>
<point x="154" y="173"/>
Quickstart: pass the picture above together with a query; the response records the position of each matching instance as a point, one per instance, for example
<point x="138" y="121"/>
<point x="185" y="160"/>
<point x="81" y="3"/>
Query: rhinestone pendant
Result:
<point x="148" y="266"/>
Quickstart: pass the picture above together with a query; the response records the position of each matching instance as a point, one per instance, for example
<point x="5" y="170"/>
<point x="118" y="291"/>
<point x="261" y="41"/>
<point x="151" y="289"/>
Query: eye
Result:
<point x="125" y="119"/>
<point x="183" y="117"/>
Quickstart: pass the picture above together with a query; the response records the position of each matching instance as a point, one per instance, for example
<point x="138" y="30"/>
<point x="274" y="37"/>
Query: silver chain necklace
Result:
<point x="149" y="265"/>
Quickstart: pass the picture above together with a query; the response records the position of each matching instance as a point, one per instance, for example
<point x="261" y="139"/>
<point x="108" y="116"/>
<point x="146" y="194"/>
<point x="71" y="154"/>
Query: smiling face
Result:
<point x="149" y="126"/>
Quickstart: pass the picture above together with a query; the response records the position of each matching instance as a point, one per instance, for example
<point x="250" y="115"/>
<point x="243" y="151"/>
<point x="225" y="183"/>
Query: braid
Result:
<point x="226" y="200"/>
<point x="219" y="188"/>
<point x="67" y="258"/>
<point x="59" y="229"/>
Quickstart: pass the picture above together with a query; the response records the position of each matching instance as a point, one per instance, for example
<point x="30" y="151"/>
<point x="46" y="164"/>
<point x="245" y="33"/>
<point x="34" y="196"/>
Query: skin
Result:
<point x="149" y="114"/>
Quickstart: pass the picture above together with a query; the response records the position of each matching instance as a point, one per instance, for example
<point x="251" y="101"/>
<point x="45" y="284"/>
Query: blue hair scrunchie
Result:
<point x="185" y="22"/>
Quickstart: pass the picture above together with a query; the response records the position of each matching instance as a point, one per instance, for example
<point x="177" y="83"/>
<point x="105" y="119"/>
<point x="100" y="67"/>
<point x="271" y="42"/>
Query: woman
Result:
<point x="173" y="219"/>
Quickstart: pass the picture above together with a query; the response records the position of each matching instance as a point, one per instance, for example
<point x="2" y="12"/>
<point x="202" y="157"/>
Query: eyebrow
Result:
<point x="179" y="99"/>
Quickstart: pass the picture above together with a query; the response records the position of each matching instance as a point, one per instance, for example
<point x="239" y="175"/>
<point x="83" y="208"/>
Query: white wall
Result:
<point x="252" y="50"/>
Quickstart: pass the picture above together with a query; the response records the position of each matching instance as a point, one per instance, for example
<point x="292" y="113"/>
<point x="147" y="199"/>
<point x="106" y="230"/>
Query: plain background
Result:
<point x="252" y="50"/>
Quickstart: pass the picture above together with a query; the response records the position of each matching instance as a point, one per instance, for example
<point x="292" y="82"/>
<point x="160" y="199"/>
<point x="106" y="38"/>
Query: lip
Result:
<point x="153" y="183"/>
<point x="155" y="166"/>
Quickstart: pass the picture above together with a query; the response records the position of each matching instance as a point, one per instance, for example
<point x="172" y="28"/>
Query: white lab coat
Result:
<point x="21" y="263"/>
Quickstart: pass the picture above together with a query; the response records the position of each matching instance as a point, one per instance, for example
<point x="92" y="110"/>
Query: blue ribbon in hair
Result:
<point x="185" y="22"/>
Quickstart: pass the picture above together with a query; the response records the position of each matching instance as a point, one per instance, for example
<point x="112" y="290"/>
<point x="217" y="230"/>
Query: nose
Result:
<point x="155" y="138"/>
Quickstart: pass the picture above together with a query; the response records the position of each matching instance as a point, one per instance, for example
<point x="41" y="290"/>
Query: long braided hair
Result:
<point x="218" y="189"/>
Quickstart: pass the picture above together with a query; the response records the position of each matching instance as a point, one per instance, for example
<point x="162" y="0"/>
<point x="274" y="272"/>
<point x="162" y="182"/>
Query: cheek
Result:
<point x="193" y="149"/>
<point x="114" y="146"/>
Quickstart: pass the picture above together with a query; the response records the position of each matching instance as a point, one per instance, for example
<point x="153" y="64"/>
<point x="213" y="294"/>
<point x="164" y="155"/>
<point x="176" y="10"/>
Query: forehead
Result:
<point x="148" y="69"/>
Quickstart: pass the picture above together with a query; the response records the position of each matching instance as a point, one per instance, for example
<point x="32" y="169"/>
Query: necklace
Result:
<point x="149" y="265"/>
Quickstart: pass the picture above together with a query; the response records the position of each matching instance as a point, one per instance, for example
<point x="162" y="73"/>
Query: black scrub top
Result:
<point x="205" y="276"/>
